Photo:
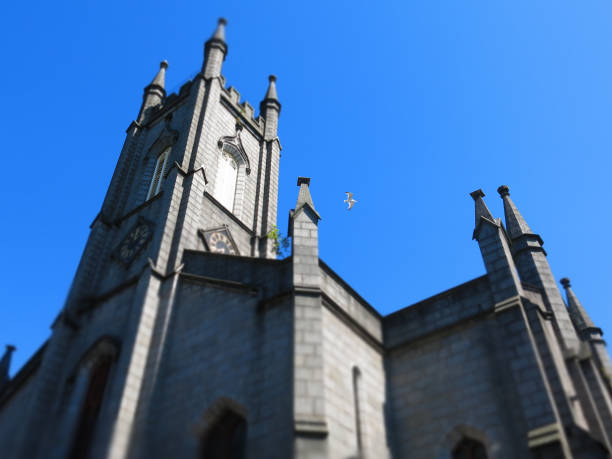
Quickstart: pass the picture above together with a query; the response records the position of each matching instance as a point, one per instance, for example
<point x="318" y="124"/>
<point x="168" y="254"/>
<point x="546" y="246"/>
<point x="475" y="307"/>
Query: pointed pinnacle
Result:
<point x="577" y="311"/>
<point x="271" y="93"/>
<point x="515" y="223"/>
<point x="220" y="31"/>
<point x="304" y="197"/>
<point x="481" y="209"/>
<point x="160" y="78"/>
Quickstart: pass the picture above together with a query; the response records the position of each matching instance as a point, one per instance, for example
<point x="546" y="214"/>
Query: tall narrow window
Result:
<point x="226" y="180"/>
<point x="356" y="395"/>
<point x="469" y="448"/>
<point x="91" y="408"/>
<point x="158" y="173"/>
<point x="226" y="439"/>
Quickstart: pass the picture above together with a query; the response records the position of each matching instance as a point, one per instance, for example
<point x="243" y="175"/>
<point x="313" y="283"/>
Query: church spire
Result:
<point x="270" y="109"/>
<point x="5" y="364"/>
<point x="155" y="92"/>
<point x="579" y="316"/>
<point x="515" y="223"/>
<point x="215" y="50"/>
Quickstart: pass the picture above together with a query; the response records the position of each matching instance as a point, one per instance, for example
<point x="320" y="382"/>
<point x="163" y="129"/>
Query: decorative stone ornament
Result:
<point x="233" y="145"/>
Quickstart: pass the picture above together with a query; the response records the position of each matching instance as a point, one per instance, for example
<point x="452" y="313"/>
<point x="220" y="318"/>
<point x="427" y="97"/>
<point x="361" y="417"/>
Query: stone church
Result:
<point x="183" y="335"/>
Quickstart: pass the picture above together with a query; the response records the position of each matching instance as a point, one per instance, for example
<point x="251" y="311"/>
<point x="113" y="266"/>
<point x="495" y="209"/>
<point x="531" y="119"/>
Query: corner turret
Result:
<point x="270" y="109"/>
<point x="215" y="50"/>
<point x="155" y="92"/>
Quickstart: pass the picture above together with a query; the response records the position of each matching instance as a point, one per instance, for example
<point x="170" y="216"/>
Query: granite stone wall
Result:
<point x="219" y="346"/>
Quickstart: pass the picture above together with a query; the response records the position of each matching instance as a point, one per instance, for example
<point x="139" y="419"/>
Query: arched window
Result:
<point x="469" y="448"/>
<point x="226" y="438"/>
<point x="91" y="407"/>
<point x="158" y="173"/>
<point x="226" y="180"/>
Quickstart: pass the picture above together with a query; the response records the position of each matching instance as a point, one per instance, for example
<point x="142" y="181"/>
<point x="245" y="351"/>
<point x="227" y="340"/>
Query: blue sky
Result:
<point x="410" y="105"/>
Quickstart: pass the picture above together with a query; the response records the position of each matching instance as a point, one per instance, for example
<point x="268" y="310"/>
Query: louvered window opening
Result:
<point x="158" y="173"/>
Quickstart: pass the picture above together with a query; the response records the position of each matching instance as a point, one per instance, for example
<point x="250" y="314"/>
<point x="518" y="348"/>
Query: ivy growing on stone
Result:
<point x="280" y="243"/>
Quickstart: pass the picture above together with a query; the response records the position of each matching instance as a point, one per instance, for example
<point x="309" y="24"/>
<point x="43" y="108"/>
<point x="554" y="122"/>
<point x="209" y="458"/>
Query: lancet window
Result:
<point x="96" y="369"/>
<point x="226" y="180"/>
<point x="157" y="179"/>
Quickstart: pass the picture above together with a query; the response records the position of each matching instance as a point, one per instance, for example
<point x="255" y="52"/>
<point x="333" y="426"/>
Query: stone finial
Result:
<point x="481" y="209"/>
<point x="163" y="64"/>
<point x="305" y="180"/>
<point x="220" y="30"/>
<point x="566" y="283"/>
<point x="477" y="194"/>
<point x="503" y="191"/>
<point x="271" y="92"/>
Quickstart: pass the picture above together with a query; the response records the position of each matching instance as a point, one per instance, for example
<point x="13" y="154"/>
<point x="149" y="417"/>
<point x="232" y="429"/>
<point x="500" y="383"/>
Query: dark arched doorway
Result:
<point x="468" y="448"/>
<point x="226" y="438"/>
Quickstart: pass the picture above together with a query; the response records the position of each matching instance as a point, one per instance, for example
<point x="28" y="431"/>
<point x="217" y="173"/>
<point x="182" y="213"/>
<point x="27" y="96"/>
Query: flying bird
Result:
<point x="349" y="199"/>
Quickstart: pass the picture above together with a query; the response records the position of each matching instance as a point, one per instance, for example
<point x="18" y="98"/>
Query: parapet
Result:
<point x="244" y="109"/>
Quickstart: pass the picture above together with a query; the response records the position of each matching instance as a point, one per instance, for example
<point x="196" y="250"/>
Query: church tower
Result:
<point x="198" y="171"/>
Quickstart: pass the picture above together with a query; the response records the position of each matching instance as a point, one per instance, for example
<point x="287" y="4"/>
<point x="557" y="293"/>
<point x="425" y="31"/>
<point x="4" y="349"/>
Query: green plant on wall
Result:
<point x="280" y="243"/>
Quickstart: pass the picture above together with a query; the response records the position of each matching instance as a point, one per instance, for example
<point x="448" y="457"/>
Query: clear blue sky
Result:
<point x="410" y="105"/>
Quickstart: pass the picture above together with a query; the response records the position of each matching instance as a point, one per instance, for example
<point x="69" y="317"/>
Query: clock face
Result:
<point x="219" y="242"/>
<point x="134" y="242"/>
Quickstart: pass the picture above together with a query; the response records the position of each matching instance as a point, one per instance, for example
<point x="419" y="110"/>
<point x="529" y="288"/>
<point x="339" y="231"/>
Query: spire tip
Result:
<point x="477" y="194"/>
<point x="163" y="64"/>
<point x="566" y="282"/>
<point x="272" y="78"/>
<point x="222" y="21"/>
<point x="305" y="180"/>
<point x="503" y="191"/>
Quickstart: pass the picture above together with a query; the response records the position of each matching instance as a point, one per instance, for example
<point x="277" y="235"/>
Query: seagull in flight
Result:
<point x="349" y="200"/>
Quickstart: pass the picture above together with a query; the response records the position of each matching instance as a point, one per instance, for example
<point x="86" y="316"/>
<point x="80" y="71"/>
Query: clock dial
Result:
<point x="219" y="242"/>
<point x="134" y="242"/>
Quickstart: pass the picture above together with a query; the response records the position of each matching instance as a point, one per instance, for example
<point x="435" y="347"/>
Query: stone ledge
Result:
<point x="507" y="304"/>
<point x="311" y="428"/>
<point x="544" y="435"/>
